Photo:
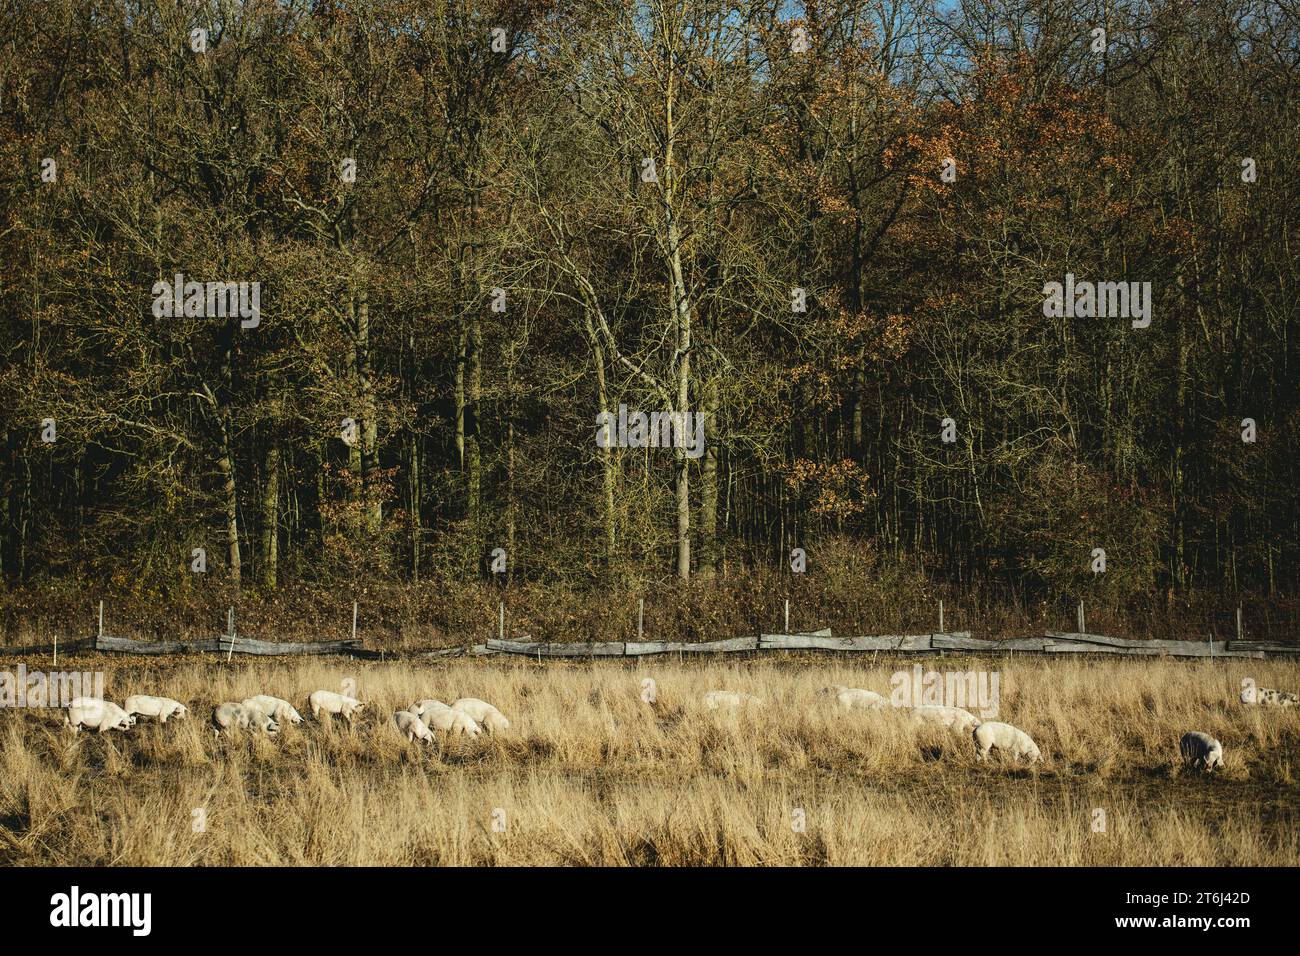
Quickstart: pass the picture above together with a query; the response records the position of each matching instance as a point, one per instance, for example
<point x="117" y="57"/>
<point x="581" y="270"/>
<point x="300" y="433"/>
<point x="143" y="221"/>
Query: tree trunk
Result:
<point x="709" y="485"/>
<point x="271" y="516"/>
<point x="460" y="400"/>
<point x="354" y="447"/>
<point x="374" y="506"/>
<point x="413" y="465"/>
<point x="606" y="454"/>
<point x="682" y="311"/>
<point x="473" y="452"/>
<point x="231" y="496"/>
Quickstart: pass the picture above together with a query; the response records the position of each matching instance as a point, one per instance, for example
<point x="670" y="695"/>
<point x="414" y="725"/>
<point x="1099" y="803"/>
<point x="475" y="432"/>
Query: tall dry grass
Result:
<point x="589" y="774"/>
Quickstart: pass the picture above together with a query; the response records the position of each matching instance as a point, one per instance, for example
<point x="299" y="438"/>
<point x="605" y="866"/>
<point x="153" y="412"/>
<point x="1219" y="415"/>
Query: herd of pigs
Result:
<point x="470" y="717"/>
<point x="1198" y="749"/>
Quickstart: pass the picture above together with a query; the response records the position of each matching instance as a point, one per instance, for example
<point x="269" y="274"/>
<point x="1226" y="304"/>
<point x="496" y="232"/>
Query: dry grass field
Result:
<point x="590" y="775"/>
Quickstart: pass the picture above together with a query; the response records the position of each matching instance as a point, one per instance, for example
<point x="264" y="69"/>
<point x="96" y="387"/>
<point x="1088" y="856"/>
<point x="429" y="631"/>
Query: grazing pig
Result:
<point x="92" y="702"/>
<point x="851" y="697"/>
<point x="419" y="707"/>
<point x="438" y="716"/>
<point x="1006" y="738"/>
<point x="97" y="715"/>
<point x="482" y="713"/>
<point x="1200" y="750"/>
<point x="281" y="711"/>
<point x="328" y="702"/>
<point x="230" y="716"/>
<point x="954" y="718"/>
<point x="1277" y="698"/>
<point x="412" y="727"/>
<point x="160" y="707"/>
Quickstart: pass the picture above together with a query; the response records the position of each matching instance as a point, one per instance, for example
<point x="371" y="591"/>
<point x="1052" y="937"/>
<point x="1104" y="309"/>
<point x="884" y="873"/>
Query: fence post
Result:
<point x="230" y="627"/>
<point x="941" y="630"/>
<point x="1082" y="626"/>
<point x="101" y="620"/>
<point x="354" y="620"/>
<point x="1238" y="622"/>
<point x="56" y="650"/>
<point x="501" y="623"/>
<point x="640" y="618"/>
<point x="787" y="615"/>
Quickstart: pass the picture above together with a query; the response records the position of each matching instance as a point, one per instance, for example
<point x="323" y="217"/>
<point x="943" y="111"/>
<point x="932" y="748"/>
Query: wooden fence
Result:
<point x="960" y="641"/>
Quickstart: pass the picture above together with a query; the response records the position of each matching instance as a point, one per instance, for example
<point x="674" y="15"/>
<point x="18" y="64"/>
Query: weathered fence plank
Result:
<point x="824" y="642"/>
<point x="1267" y="647"/>
<point x="964" y="642"/>
<point x="1067" y="647"/>
<point x="876" y="642"/>
<point x="125" y="645"/>
<point x="1101" y="644"/>
<point x="807" y="642"/>
<point x="1219" y="646"/>
<point x="244" y="645"/>
<point x="869" y="642"/>
<point x="638" y="648"/>
<point x="764" y="639"/>
<point x="540" y="649"/>
<point x="916" y="642"/>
